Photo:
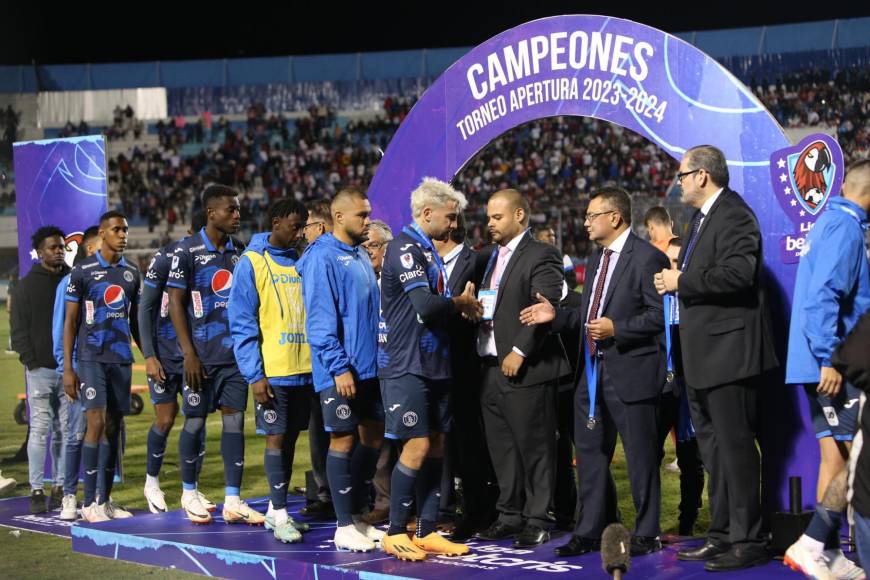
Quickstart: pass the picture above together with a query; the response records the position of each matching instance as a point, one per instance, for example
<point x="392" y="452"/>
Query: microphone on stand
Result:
<point x="616" y="550"/>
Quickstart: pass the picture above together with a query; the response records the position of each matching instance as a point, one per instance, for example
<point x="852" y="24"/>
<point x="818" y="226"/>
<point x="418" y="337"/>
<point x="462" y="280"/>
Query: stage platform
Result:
<point x="237" y="551"/>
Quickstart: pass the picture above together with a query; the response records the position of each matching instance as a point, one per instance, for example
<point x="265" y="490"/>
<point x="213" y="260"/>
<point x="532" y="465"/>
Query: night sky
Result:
<point x="131" y="31"/>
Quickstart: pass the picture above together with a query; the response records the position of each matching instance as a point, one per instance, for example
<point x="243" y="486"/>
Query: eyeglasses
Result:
<point x="374" y="245"/>
<point x="306" y="226"/>
<point x="590" y="217"/>
<point x="683" y="174"/>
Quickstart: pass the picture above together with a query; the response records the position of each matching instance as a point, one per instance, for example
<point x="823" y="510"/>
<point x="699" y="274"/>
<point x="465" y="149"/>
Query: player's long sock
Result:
<point x="156" y="450"/>
<point x="90" y="461"/>
<point x="233" y="452"/>
<point x="428" y="496"/>
<point x="113" y="445"/>
<point x="341" y="485"/>
<point x="273" y="461"/>
<point x="362" y="468"/>
<point x="402" y="486"/>
<point x="188" y="450"/>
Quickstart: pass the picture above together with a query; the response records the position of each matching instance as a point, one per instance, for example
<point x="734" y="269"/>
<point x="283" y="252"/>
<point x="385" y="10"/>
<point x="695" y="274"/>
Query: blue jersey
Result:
<point x="105" y="294"/>
<point x="411" y="345"/>
<point x="207" y="275"/>
<point x="165" y="341"/>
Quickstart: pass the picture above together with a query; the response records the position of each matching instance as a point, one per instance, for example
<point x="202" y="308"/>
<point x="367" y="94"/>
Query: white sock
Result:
<point x="280" y="516"/>
<point x="186" y="493"/>
<point x="810" y="544"/>
<point x="232" y="500"/>
<point x="152" y="481"/>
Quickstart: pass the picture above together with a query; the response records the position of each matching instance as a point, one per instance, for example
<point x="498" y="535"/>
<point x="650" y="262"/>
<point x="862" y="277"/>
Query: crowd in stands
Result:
<point x="819" y="98"/>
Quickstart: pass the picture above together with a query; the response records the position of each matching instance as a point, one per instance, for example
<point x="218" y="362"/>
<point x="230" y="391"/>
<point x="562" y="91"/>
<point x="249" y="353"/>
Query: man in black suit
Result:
<point x="520" y="368"/>
<point x="623" y="374"/>
<point x="726" y="346"/>
<point x="465" y="452"/>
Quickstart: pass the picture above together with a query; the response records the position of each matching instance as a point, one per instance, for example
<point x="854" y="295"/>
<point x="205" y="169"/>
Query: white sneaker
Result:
<point x="95" y="513"/>
<point x="68" y="508"/>
<point x="842" y="567"/>
<point x="672" y="467"/>
<point x="6" y="483"/>
<point x="194" y="509"/>
<point x="350" y="539"/>
<point x="810" y="563"/>
<point x="156" y="499"/>
<point x="242" y="513"/>
<point x="206" y="503"/>
<point x="369" y="531"/>
<point x="116" y="512"/>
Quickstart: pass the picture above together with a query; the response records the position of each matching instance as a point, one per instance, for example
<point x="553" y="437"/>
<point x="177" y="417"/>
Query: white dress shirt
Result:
<point x="450" y="260"/>
<point x="486" y="330"/>
<point x="616" y="246"/>
<point x="705" y="209"/>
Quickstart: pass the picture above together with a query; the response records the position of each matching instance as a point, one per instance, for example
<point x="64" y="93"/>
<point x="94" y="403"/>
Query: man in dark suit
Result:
<point x="520" y="368"/>
<point x="726" y="345"/>
<point x="465" y="452"/>
<point x="623" y="374"/>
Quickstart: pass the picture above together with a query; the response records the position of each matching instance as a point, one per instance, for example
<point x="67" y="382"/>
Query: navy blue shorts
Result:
<point x="105" y="386"/>
<point x="835" y="417"/>
<point x="288" y="411"/>
<point x="224" y="387"/>
<point x="341" y="415"/>
<point x="415" y="407"/>
<point x="168" y="391"/>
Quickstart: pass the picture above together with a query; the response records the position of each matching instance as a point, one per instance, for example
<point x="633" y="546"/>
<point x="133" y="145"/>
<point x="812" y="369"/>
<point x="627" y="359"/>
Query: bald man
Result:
<point x="521" y="366"/>
<point x="832" y="292"/>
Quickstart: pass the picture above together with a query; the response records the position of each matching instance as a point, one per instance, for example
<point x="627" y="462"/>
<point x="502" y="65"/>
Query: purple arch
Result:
<point x="645" y="80"/>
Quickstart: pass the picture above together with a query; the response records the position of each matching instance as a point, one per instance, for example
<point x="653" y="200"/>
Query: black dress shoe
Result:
<point x="531" y="537"/>
<point x="577" y="546"/>
<point x="319" y="509"/>
<point x="465" y="529"/>
<point x="37" y="502"/>
<point x="499" y="531"/>
<point x="708" y="551"/>
<point x="643" y="545"/>
<point x="739" y="557"/>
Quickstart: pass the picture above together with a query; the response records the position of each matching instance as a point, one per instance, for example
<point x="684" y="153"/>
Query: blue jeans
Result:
<point x="48" y="413"/>
<point x="862" y="537"/>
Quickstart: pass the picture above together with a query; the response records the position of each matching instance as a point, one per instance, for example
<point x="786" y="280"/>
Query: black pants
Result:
<point x="637" y="425"/>
<point x="318" y="442"/>
<point x="520" y="425"/>
<point x="565" y="497"/>
<point x="725" y="419"/>
<point x="688" y="459"/>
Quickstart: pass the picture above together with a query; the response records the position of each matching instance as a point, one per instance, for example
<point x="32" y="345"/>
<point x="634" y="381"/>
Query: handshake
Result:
<point x="468" y="304"/>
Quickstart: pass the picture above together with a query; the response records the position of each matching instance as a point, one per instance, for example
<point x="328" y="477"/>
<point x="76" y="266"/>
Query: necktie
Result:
<point x="693" y="238"/>
<point x="503" y="252"/>
<point x="596" y="299"/>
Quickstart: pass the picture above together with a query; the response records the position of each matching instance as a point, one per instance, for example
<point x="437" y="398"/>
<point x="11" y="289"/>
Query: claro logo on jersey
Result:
<point x="114" y="298"/>
<point x="407" y="276"/>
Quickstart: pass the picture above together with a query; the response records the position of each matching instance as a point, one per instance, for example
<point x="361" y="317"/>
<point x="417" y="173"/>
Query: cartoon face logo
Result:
<point x="113" y="296"/>
<point x="90" y="393"/>
<point x="342" y="412"/>
<point x="159" y="389"/>
<point x="221" y="282"/>
<point x="407" y="260"/>
<point x="812" y="174"/>
<point x="270" y="416"/>
<point x="193" y="399"/>
<point x="71" y="247"/>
